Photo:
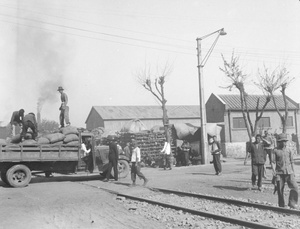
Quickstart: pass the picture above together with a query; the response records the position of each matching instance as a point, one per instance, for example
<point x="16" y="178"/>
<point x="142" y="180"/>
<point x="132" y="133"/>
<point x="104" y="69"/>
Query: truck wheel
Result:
<point x="18" y="176"/>
<point x="123" y="168"/>
<point x="3" y="177"/>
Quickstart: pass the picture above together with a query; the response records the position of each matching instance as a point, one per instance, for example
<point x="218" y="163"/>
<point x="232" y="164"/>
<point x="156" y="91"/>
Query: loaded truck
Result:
<point x="19" y="161"/>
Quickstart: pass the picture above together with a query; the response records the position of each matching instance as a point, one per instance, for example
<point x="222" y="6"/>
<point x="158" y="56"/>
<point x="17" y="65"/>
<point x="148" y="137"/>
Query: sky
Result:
<point x="95" y="49"/>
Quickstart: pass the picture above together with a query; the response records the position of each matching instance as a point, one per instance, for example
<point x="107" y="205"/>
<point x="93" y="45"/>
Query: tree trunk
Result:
<point x="242" y="98"/>
<point x="166" y="122"/>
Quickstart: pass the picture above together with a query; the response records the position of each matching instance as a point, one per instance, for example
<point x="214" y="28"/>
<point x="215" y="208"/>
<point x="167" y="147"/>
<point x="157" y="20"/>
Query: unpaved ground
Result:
<point x="79" y="201"/>
<point x="64" y="205"/>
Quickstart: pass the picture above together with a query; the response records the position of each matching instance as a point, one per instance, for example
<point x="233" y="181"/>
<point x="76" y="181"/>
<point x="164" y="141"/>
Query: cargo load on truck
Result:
<point x="56" y="152"/>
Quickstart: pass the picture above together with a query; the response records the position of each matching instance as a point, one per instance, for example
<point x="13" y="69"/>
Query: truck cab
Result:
<point x="100" y="158"/>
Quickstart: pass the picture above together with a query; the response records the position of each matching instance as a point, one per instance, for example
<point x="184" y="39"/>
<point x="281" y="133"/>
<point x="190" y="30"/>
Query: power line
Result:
<point x="95" y="38"/>
<point x="101" y="33"/>
<point x="165" y="37"/>
<point x="141" y="40"/>
<point x="90" y="23"/>
<point x="85" y="30"/>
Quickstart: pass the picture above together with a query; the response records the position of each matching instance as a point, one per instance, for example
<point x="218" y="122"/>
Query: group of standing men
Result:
<point x="282" y="164"/>
<point x="29" y="120"/>
<point x="135" y="158"/>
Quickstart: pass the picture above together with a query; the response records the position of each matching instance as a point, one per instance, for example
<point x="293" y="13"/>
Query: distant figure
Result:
<point x="185" y="147"/>
<point x="120" y="149"/>
<point x="216" y="153"/>
<point x="248" y="148"/>
<point x="113" y="156"/>
<point x="29" y="121"/>
<point x="127" y="150"/>
<point x="86" y="147"/>
<point x="167" y="157"/>
<point x="268" y="144"/>
<point x="269" y="147"/>
<point x="283" y="170"/>
<point x="135" y="167"/>
<point x="258" y="159"/>
<point x="64" y="109"/>
<point x="16" y="120"/>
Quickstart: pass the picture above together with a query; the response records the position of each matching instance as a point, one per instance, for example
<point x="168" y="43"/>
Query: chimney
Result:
<point x="38" y="115"/>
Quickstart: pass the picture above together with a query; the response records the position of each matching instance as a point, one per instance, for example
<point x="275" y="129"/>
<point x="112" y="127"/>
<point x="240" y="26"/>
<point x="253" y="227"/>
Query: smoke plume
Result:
<point x="42" y="60"/>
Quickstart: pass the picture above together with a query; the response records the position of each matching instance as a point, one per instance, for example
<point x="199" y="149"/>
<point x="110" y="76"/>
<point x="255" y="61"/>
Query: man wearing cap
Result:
<point x="64" y="109"/>
<point x="16" y="120"/>
<point x="283" y="170"/>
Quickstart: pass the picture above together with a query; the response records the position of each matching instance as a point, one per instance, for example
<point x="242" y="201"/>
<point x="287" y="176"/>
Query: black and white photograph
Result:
<point x="155" y="114"/>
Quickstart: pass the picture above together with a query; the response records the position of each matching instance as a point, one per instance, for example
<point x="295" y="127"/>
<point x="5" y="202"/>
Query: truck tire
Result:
<point x="123" y="168"/>
<point x="3" y="177"/>
<point x="18" y="176"/>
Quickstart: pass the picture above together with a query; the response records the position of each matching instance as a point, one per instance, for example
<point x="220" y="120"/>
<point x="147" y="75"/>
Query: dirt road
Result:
<point x="78" y="202"/>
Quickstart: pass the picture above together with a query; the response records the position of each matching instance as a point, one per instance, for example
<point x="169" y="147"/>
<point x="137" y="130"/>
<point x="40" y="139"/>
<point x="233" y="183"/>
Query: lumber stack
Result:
<point x="150" y="143"/>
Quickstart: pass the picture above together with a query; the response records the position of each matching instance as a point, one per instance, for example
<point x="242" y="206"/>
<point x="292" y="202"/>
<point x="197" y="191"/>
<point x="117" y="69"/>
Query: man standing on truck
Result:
<point x="112" y="158"/>
<point x="64" y="109"/>
<point x="16" y="120"/>
<point x="29" y="121"/>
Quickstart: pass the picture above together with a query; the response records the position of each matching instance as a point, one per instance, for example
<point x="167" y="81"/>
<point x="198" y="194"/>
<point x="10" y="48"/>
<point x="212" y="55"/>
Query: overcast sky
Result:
<point x="94" y="48"/>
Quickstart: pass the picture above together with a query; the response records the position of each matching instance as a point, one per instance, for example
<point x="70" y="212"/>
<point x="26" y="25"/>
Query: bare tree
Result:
<point x="155" y="84"/>
<point x="272" y="80"/>
<point x="237" y="80"/>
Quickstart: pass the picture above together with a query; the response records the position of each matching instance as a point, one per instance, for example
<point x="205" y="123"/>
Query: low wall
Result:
<point x="234" y="149"/>
<point x="238" y="149"/>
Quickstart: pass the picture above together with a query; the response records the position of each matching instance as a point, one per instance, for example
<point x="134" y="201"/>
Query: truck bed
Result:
<point x="14" y="153"/>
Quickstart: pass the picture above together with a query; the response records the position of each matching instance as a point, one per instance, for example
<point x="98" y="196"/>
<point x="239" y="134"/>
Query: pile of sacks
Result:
<point x="68" y="135"/>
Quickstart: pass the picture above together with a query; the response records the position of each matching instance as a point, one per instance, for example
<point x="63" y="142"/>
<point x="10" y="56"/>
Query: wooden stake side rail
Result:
<point x="15" y="153"/>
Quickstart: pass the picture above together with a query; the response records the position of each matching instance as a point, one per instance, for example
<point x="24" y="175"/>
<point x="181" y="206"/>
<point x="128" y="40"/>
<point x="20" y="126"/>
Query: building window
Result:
<point x="289" y="121"/>
<point x="264" y="122"/>
<point x="238" y="123"/>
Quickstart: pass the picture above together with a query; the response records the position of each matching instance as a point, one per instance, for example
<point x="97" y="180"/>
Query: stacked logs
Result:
<point x="150" y="143"/>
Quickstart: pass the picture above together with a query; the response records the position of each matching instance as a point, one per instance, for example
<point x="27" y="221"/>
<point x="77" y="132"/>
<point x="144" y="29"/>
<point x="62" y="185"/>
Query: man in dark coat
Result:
<point x="258" y="159"/>
<point x="186" y="149"/>
<point x="29" y="121"/>
<point x="113" y="159"/>
<point x="16" y="120"/>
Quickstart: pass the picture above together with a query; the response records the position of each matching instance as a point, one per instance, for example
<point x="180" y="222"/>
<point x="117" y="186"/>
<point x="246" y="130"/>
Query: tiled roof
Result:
<point x="233" y="102"/>
<point x="146" y="112"/>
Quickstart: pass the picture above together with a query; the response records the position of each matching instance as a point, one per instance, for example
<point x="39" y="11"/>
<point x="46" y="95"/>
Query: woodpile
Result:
<point x="150" y="143"/>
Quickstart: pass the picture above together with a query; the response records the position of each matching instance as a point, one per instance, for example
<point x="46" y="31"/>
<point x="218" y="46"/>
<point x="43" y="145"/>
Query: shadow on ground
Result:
<point x="206" y="174"/>
<point x="231" y="188"/>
